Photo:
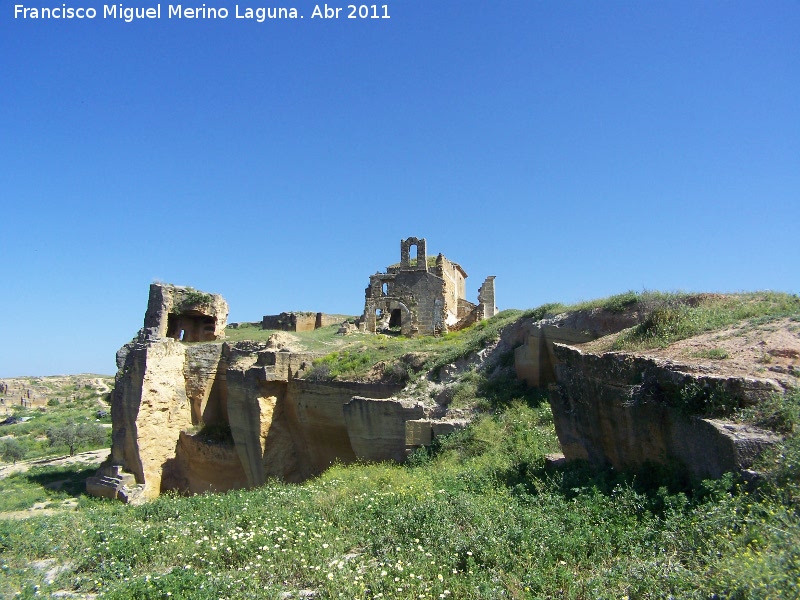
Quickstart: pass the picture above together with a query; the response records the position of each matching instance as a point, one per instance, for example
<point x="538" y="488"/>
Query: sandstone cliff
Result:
<point x="624" y="410"/>
<point x="213" y="415"/>
<point x="629" y="409"/>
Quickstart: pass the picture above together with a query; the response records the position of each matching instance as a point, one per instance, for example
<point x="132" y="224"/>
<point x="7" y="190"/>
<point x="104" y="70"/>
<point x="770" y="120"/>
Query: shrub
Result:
<point x="216" y="433"/>
<point x="319" y="372"/>
<point x="192" y="297"/>
<point x="779" y="412"/>
<point x="713" y="354"/>
<point x="72" y="435"/>
<point x="11" y="450"/>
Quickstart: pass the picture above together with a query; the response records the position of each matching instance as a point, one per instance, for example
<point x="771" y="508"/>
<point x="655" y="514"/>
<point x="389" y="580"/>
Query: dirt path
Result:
<point x="92" y="457"/>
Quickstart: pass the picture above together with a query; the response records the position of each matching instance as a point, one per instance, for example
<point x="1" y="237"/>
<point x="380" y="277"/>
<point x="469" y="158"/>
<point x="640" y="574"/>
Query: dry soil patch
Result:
<point x="769" y="351"/>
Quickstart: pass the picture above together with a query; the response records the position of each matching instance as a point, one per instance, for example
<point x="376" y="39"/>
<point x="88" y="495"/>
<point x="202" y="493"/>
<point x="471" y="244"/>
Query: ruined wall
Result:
<point x="377" y="428"/>
<point x="290" y="321"/>
<point x="215" y="416"/>
<point x="486" y="297"/>
<point x="293" y="429"/>
<point x="317" y="418"/>
<point x="421" y="293"/>
<point x="421" y="246"/>
<point x="534" y="359"/>
<point x="206" y="467"/>
<point x="454" y="288"/>
<point x="432" y="294"/>
<point x="298" y="321"/>
<point x="323" y="320"/>
<point x="170" y="395"/>
<point x="204" y="373"/>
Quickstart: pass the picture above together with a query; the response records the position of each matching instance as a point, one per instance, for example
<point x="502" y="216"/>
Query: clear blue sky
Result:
<point x="572" y="149"/>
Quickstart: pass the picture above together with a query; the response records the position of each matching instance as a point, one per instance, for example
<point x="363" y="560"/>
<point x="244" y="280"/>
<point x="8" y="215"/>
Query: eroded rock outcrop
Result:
<point x="534" y="358"/>
<point x="624" y="410"/>
<point x="185" y="314"/>
<point x="214" y="416"/>
<point x="149" y="409"/>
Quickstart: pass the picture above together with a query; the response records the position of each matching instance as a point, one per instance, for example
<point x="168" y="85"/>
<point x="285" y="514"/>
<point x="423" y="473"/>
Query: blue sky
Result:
<point x="572" y="149"/>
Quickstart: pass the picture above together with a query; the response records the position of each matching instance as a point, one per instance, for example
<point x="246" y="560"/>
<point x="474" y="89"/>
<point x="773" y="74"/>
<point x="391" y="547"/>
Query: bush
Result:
<point x="72" y="435"/>
<point x="319" y="372"/>
<point x="778" y="412"/>
<point x="12" y="450"/>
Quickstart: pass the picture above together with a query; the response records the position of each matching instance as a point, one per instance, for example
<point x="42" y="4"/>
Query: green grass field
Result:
<point x="479" y="517"/>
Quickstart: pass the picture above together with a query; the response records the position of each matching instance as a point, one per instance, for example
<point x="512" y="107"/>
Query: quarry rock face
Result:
<point x="534" y="358"/>
<point x="378" y="428"/>
<point x="623" y="410"/>
<point x="213" y="416"/>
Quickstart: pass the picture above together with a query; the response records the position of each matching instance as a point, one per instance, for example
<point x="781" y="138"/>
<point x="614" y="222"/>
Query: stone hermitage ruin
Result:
<point x="179" y="382"/>
<point x="424" y="297"/>
<point x="194" y="413"/>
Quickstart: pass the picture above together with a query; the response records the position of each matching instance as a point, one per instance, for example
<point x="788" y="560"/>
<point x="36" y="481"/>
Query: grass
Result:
<point x="192" y="297"/>
<point x="32" y="434"/>
<point x="666" y="318"/>
<point x="672" y="317"/>
<point x="20" y="491"/>
<point x="367" y="350"/>
<point x="478" y="517"/>
<point x="712" y="353"/>
<point x="318" y="340"/>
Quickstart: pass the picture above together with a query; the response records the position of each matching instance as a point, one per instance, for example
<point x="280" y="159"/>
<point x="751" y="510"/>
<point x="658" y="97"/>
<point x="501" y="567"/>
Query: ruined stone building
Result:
<point x="299" y="321"/>
<point x="423" y="296"/>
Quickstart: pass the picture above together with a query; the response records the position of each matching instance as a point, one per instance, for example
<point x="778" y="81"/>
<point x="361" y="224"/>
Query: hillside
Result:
<point x="481" y="513"/>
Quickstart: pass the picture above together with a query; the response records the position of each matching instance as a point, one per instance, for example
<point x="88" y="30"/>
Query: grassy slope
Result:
<point x="83" y="408"/>
<point x="479" y="518"/>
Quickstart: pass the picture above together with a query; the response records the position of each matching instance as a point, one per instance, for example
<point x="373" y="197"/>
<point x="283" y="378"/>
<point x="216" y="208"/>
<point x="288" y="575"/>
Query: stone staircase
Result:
<point x="111" y="482"/>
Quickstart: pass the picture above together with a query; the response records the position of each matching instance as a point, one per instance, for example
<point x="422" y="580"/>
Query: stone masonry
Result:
<point x="423" y="297"/>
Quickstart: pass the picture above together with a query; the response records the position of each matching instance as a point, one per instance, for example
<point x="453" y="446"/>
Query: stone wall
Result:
<point x="486" y="297"/>
<point x="299" y="321"/>
<point x="534" y="359"/>
<point x="149" y="410"/>
<point x="454" y="288"/>
<point x="377" y="428"/>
